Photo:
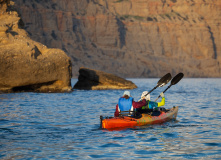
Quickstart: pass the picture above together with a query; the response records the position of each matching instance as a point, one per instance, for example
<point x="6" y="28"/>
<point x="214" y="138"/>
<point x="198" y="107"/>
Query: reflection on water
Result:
<point x="66" y="125"/>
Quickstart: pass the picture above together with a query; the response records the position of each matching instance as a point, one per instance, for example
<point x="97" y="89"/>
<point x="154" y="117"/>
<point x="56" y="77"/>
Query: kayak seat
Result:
<point x="126" y="113"/>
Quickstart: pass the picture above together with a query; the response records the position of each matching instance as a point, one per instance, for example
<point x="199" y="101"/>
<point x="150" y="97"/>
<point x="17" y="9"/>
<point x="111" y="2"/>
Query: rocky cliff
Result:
<point x="97" y="80"/>
<point x="26" y="65"/>
<point x="131" y="38"/>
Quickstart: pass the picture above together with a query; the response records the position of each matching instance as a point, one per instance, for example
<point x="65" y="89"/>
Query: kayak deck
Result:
<point x="146" y="119"/>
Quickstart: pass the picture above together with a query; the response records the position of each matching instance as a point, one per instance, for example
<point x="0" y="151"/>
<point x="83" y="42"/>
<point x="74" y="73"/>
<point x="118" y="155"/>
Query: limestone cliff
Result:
<point x="26" y="65"/>
<point x="131" y="38"/>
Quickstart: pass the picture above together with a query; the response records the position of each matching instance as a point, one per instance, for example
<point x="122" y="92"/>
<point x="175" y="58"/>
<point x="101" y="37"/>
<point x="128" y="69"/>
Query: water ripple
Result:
<point x="66" y="125"/>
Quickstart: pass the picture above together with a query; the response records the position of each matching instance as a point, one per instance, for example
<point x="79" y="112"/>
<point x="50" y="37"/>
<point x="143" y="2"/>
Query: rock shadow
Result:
<point x="86" y="80"/>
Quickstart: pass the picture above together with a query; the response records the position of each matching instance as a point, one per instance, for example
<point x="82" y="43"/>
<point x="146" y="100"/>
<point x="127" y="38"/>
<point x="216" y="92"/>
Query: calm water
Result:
<point x="66" y="125"/>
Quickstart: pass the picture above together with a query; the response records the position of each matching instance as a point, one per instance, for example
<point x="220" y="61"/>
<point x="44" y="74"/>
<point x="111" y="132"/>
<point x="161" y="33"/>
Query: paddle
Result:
<point x="163" y="81"/>
<point x="174" y="81"/>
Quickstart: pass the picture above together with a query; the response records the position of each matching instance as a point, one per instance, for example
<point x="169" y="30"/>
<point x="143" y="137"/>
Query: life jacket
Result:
<point x="125" y="106"/>
<point x="150" y="105"/>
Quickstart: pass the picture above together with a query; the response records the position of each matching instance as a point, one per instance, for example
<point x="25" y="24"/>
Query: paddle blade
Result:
<point x="177" y="78"/>
<point x="164" y="80"/>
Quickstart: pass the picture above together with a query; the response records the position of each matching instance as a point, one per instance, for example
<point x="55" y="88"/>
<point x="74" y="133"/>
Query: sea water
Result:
<point x="67" y="125"/>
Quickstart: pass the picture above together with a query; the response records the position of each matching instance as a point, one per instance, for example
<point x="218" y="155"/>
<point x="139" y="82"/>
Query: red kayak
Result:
<point x="146" y="119"/>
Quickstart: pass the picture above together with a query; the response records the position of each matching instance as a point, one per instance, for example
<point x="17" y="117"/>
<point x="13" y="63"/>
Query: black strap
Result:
<point x="126" y="113"/>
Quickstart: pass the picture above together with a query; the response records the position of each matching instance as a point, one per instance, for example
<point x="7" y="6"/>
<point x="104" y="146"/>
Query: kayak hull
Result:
<point x="146" y="119"/>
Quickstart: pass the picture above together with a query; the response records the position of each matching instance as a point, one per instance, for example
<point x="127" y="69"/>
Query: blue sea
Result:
<point x="67" y="125"/>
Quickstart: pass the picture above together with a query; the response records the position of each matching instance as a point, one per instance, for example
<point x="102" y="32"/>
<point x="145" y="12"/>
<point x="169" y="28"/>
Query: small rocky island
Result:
<point x="26" y="65"/>
<point x="90" y="79"/>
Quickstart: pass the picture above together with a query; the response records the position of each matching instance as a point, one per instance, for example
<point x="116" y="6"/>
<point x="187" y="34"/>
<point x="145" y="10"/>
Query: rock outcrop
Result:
<point x="131" y="38"/>
<point x="97" y="80"/>
<point x="26" y="65"/>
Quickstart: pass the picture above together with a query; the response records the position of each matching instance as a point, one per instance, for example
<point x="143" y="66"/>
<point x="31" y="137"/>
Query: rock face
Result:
<point x="131" y="38"/>
<point x="26" y="65"/>
<point x="97" y="80"/>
